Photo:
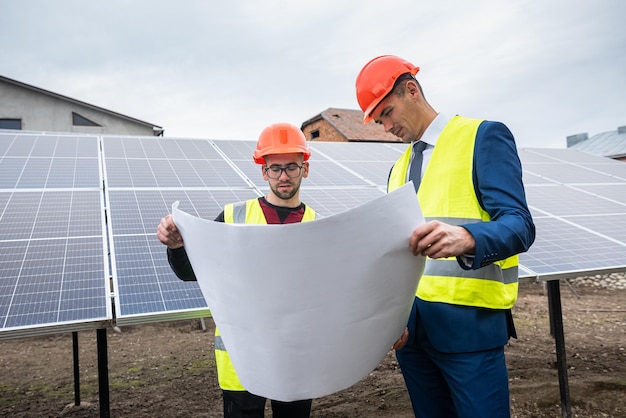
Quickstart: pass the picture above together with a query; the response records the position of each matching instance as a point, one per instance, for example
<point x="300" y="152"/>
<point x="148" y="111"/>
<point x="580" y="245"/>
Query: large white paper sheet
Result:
<point x="308" y="309"/>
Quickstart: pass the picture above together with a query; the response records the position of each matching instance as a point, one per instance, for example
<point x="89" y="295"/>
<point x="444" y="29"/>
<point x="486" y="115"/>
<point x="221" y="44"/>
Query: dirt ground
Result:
<point x="168" y="369"/>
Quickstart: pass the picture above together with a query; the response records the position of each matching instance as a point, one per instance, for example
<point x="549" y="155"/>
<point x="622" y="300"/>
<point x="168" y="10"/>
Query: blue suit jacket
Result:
<point x="497" y="179"/>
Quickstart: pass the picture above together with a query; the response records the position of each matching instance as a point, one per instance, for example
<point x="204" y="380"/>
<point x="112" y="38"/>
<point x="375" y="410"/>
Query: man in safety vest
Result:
<point x="283" y="154"/>
<point x="468" y="178"/>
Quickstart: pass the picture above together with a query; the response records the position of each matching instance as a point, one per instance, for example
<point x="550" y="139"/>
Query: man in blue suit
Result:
<point x="468" y="179"/>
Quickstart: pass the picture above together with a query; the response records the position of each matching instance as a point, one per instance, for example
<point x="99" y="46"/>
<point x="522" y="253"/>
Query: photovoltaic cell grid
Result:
<point x="52" y="205"/>
<point x="29" y="161"/>
<point x="338" y="165"/>
<point x="562" y="200"/>
<point x="142" y="183"/>
<point x="131" y="147"/>
<point x="360" y="152"/>
<point x="52" y="270"/>
<point x="327" y="202"/>
<point x="172" y="173"/>
<point x="362" y="164"/>
<point x="610" y="192"/>
<point x="578" y="202"/>
<point x="141" y="187"/>
<point x="148" y="162"/>
<point x="236" y="150"/>
<point x="146" y="286"/>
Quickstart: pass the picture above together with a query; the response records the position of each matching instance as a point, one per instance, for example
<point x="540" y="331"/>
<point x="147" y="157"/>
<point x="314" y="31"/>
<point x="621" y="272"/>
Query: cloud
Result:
<point x="227" y="69"/>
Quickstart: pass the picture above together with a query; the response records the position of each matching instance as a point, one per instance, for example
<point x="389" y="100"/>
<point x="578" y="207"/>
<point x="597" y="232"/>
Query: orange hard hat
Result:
<point x="280" y="138"/>
<point x="376" y="80"/>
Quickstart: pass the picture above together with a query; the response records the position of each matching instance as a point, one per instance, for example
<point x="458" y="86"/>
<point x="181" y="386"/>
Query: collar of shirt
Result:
<point x="430" y="136"/>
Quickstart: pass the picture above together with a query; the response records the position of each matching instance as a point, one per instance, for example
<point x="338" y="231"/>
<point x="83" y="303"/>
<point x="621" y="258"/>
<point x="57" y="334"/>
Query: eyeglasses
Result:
<point x="275" y="171"/>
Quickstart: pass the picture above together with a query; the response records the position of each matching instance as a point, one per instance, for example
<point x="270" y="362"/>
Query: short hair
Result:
<point x="399" y="87"/>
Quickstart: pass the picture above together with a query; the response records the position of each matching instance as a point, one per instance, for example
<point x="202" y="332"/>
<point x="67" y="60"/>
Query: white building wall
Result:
<point x="41" y="112"/>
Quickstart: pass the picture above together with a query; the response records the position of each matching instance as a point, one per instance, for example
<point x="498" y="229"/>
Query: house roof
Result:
<point x="349" y="123"/>
<point x="78" y="102"/>
<point x="610" y="144"/>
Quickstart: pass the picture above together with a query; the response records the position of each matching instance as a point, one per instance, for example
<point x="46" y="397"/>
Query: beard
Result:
<point x="286" y="194"/>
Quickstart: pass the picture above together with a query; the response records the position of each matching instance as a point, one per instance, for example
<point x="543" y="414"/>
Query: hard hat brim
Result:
<point x="259" y="157"/>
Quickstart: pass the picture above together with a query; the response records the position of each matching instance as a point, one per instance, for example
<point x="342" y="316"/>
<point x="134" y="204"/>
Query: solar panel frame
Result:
<point x="578" y="202"/>
<point x="343" y="177"/>
<point x="54" y="270"/>
<point x="566" y="206"/>
<point x="146" y="289"/>
<point x="142" y="277"/>
<point x="132" y="283"/>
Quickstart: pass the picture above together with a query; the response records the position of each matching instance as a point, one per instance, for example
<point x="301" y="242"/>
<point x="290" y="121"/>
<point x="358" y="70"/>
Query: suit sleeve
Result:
<point x="497" y="178"/>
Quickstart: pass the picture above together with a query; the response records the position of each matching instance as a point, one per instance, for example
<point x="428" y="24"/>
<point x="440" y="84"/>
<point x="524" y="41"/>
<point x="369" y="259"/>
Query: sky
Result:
<point x="228" y="69"/>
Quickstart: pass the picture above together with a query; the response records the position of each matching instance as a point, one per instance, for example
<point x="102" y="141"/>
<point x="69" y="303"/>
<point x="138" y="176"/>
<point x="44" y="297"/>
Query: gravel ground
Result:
<point x="615" y="281"/>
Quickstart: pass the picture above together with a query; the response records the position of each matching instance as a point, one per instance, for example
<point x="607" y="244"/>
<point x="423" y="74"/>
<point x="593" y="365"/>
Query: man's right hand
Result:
<point x="168" y="234"/>
<point x="401" y="342"/>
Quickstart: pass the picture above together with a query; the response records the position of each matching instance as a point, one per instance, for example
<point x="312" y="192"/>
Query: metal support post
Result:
<point x="103" y="373"/>
<point x="556" y="330"/>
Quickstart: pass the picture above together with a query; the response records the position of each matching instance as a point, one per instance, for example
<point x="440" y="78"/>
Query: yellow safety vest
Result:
<point x="447" y="194"/>
<point x="248" y="212"/>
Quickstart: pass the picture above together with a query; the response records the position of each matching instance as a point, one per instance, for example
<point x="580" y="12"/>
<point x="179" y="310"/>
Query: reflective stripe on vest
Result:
<point x="447" y="194"/>
<point x="248" y="212"/>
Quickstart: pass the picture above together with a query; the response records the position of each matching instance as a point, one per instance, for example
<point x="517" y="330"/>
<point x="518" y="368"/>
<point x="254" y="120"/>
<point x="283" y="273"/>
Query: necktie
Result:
<point x="415" y="171"/>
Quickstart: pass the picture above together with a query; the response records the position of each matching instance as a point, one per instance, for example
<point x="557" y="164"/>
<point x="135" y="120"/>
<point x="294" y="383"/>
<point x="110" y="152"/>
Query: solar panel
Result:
<point x="579" y="208"/>
<point x="330" y="201"/>
<point x="78" y="214"/>
<point x="370" y="163"/>
<point x="610" y="192"/>
<point x="53" y="274"/>
<point x="327" y="173"/>
<point x="362" y="152"/>
<point x="236" y="150"/>
<point x="140" y="191"/>
<point x="146" y="288"/>
<point x="150" y="172"/>
<point x="566" y="248"/>
<point x="564" y="173"/>
<point x="562" y="200"/>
